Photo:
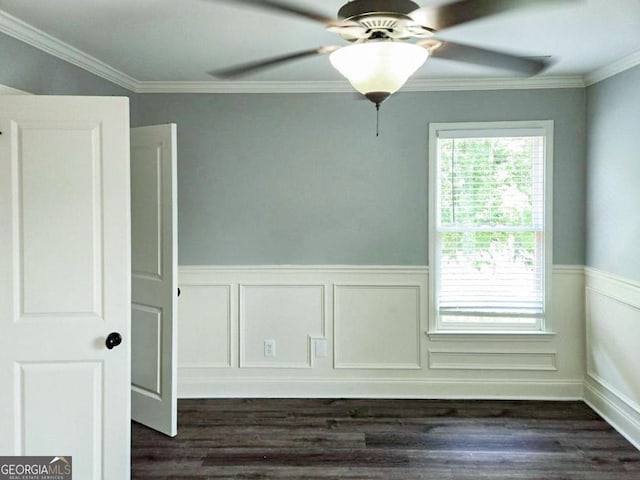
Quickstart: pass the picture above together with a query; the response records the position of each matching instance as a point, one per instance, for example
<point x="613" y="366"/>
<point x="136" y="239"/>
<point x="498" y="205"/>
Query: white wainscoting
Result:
<point x="290" y="316"/>
<point x="206" y="337"/>
<point x="373" y="323"/>
<point x="377" y="326"/>
<point x="612" y="385"/>
<point x="468" y="360"/>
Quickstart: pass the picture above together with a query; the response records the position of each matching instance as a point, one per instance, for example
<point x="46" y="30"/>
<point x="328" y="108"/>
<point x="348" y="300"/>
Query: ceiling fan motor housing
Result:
<point x="381" y="19"/>
<point x="387" y="8"/>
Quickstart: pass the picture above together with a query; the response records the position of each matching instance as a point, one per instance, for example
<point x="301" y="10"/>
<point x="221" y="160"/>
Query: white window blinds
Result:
<point x="490" y="227"/>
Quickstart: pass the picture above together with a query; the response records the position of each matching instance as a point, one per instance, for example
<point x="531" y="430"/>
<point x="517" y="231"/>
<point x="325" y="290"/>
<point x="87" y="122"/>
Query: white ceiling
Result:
<point x="180" y="40"/>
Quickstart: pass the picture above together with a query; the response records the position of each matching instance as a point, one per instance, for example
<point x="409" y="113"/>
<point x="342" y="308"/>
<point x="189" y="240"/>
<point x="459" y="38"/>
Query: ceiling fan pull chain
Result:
<point x="377" y="119"/>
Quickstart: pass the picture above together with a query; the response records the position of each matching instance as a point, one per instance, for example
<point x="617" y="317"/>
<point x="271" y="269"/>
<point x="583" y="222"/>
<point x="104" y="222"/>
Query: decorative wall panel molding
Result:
<point x="286" y="315"/>
<point x="205" y="335"/>
<point x="360" y="331"/>
<point x="466" y="360"/>
<point x="377" y="326"/>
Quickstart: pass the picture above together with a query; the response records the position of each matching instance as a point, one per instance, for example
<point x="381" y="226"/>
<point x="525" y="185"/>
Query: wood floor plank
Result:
<point x="467" y="442"/>
<point x="384" y="439"/>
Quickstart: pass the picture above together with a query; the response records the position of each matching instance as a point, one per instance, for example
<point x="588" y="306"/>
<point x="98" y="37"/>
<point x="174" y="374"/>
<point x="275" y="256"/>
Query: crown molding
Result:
<point x="6" y="90"/>
<point x="619" y="66"/>
<point x="419" y="85"/>
<point x="30" y="35"/>
<point x="220" y="86"/>
<point x="494" y="83"/>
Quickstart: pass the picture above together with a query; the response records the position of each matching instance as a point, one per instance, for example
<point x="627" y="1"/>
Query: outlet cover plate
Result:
<point x="269" y="348"/>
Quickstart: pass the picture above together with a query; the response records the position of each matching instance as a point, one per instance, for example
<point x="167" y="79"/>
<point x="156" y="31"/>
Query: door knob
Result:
<point x="113" y="340"/>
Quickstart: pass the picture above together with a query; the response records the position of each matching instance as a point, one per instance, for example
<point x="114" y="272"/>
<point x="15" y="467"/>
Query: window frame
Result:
<point x="545" y="325"/>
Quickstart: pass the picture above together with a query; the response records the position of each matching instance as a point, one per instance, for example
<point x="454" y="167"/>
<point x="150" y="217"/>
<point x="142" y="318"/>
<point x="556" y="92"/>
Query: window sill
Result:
<point x="468" y="336"/>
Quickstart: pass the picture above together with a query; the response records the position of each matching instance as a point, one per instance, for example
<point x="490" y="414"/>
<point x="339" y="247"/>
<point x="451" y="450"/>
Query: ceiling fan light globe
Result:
<point x="378" y="66"/>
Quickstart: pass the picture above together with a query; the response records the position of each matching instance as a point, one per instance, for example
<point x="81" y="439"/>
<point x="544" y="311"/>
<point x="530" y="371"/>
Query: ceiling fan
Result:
<point x="390" y="39"/>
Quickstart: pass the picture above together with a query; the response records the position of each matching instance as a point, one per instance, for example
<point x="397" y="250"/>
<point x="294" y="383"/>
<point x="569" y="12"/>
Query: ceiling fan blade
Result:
<point x="251" y="67"/>
<point x="463" y="11"/>
<point x="284" y="7"/>
<point x="491" y="58"/>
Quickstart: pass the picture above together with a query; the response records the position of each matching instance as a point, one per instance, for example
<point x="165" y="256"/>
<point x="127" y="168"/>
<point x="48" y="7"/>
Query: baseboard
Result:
<point x="610" y="406"/>
<point x="569" y="389"/>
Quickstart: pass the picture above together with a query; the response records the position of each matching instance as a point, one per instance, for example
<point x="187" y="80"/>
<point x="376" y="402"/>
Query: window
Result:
<point x="490" y="226"/>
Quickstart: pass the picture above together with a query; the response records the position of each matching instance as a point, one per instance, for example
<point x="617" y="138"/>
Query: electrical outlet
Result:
<point x="320" y="347"/>
<point x="269" y="348"/>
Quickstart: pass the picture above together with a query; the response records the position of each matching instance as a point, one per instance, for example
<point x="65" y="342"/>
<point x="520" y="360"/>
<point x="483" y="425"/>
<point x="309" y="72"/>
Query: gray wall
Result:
<point x="27" y="68"/>
<point x="613" y="194"/>
<point x="302" y="179"/>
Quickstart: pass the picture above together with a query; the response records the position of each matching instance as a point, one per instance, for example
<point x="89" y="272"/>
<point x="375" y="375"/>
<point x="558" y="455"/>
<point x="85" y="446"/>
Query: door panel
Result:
<point x="43" y="206"/>
<point x="65" y="281"/>
<point x="154" y="277"/>
<point x="146" y="356"/>
<point x="146" y="213"/>
<point x="43" y="416"/>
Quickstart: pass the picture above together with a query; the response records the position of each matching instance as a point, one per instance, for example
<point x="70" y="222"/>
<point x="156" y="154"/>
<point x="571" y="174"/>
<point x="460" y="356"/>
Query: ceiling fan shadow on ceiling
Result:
<point x="390" y="39"/>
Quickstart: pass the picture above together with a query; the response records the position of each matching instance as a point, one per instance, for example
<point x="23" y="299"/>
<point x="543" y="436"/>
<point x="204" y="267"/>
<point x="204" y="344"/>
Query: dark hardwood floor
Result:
<point x="384" y="439"/>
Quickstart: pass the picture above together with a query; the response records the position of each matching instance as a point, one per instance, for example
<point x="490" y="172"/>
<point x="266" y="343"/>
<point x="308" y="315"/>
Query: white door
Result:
<point x="65" y="281"/>
<point x="154" y="277"/>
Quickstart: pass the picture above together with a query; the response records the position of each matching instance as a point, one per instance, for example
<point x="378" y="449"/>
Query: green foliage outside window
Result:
<point x="487" y="189"/>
